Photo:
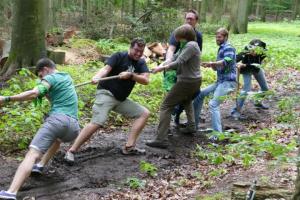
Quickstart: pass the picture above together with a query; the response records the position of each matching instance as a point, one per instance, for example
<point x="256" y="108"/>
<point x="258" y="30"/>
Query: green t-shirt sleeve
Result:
<point x="50" y="79"/>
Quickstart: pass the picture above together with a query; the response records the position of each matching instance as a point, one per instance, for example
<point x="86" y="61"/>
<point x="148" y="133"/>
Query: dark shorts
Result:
<point x="56" y="126"/>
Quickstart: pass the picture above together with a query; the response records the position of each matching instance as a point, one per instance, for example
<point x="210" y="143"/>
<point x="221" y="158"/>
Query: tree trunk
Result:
<point x="295" y="9"/>
<point x="50" y="10"/>
<point x="217" y="11"/>
<point x="190" y="5"/>
<point x="239" y="16"/>
<point x="297" y="187"/>
<point x="133" y="8"/>
<point x="199" y="6"/>
<point x="28" y="36"/>
<point x="203" y="11"/>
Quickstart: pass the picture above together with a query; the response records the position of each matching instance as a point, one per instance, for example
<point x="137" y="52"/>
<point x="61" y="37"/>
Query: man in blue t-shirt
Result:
<point x="191" y="18"/>
<point x="60" y="126"/>
<point x="112" y="95"/>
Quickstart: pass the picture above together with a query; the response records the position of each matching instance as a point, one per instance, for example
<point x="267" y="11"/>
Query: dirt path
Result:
<point x="101" y="170"/>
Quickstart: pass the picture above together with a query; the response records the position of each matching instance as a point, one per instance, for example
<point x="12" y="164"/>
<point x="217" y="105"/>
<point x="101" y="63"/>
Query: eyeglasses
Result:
<point x="190" y="18"/>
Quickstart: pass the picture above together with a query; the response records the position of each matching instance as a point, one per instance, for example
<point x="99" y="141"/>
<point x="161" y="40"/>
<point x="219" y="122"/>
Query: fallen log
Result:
<point x="263" y="192"/>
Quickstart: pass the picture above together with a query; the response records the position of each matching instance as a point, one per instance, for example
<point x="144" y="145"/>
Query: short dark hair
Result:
<point x="185" y="31"/>
<point x="194" y="12"/>
<point x="139" y="41"/>
<point x="44" y="62"/>
<point x="258" y="42"/>
<point x="223" y="31"/>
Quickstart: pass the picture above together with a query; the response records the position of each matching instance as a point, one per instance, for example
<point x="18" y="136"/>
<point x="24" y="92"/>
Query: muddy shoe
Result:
<point x="260" y="105"/>
<point x="37" y="170"/>
<point x="132" y="151"/>
<point x="157" y="144"/>
<point x="188" y="130"/>
<point x="7" y="195"/>
<point x="69" y="158"/>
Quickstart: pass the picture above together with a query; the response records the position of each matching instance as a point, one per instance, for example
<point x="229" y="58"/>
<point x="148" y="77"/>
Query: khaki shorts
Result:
<point x="56" y="126"/>
<point x="105" y="102"/>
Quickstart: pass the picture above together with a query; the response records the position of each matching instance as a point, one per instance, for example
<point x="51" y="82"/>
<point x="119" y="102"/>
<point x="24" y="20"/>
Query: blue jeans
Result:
<point x="260" y="78"/>
<point x="219" y="90"/>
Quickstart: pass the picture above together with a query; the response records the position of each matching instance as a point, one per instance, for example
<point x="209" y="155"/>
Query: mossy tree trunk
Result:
<point x="28" y="36"/>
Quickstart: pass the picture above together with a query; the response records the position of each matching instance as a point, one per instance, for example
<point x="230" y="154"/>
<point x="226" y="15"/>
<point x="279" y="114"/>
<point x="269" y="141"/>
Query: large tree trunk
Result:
<point x="239" y="16"/>
<point x="28" y="36"/>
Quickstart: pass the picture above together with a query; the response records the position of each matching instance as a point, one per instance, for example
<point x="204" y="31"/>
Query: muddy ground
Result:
<point x="101" y="171"/>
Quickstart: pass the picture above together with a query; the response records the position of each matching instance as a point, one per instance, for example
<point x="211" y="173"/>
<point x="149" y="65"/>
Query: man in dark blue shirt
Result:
<point x="191" y="18"/>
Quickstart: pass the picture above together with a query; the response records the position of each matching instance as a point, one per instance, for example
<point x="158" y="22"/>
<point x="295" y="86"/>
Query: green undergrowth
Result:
<point x="246" y="149"/>
<point x="20" y="121"/>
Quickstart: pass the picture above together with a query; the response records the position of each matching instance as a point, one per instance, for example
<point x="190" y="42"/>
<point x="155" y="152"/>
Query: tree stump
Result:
<point x="263" y="192"/>
<point x="58" y="56"/>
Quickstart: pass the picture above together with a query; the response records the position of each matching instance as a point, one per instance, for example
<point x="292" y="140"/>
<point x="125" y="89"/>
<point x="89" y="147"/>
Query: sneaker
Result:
<point x="236" y="115"/>
<point x="132" y="151"/>
<point x="170" y="133"/>
<point x="69" y="157"/>
<point x="157" y="144"/>
<point x="260" y="105"/>
<point x="37" y="170"/>
<point x="205" y="131"/>
<point x="213" y="139"/>
<point x="7" y="195"/>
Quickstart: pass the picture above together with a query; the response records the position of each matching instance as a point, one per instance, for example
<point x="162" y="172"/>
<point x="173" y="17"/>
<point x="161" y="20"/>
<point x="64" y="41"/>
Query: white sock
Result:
<point x="40" y="165"/>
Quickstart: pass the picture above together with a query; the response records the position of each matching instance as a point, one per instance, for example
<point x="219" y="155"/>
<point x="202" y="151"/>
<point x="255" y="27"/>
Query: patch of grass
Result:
<point x="135" y="183"/>
<point x="148" y="168"/>
<point x="107" y="46"/>
<point x="260" y="144"/>
<point x="287" y="113"/>
<point x="81" y="43"/>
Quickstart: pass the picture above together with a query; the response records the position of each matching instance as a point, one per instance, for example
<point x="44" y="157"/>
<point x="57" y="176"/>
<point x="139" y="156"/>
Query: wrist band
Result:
<point x="7" y="99"/>
<point x="131" y="75"/>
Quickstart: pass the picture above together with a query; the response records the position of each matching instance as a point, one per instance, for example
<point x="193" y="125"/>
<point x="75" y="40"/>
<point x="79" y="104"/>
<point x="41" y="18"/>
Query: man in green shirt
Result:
<point x="60" y="126"/>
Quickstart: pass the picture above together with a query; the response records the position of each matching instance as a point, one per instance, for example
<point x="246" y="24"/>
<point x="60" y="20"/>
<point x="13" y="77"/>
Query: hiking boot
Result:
<point x="132" y="151"/>
<point x="170" y="133"/>
<point x="205" y="131"/>
<point x="7" y="195"/>
<point x="157" y="144"/>
<point x="69" y="157"/>
<point x="260" y="105"/>
<point x="37" y="170"/>
<point x="188" y="130"/>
